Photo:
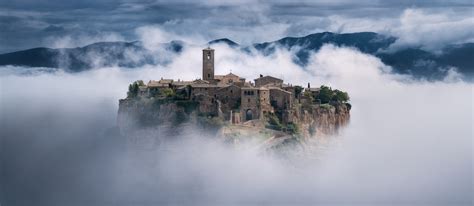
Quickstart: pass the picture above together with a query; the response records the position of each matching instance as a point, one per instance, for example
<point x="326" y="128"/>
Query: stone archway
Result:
<point x="248" y="114"/>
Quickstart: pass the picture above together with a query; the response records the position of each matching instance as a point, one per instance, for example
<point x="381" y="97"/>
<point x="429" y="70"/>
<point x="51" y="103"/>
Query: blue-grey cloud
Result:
<point x="33" y="23"/>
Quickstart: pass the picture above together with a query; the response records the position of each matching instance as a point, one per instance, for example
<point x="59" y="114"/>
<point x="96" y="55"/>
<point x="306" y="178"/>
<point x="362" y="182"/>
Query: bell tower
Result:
<point x="208" y="64"/>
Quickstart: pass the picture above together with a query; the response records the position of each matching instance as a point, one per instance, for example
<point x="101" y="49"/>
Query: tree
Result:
<point x="340" y="96"/>
<point x="298" y="90"/>
<point x="325" y="94"/>
<point x="133" y="89"/>
<point x="140" y="83"/>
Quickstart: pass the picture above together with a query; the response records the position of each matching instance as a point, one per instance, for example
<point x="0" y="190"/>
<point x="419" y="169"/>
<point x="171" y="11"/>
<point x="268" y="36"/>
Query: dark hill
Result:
<point x="414" y="61"/>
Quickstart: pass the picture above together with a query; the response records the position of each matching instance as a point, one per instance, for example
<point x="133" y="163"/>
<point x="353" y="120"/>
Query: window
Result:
<point x="208" y="56"/>
<point x="248" y="100"/>
<point x="208" y="75"/>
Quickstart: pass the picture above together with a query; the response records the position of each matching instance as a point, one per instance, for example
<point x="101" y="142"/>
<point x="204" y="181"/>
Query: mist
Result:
<point x="409" y="141"/>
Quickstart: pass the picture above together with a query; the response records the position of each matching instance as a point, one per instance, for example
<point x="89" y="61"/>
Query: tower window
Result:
<point x="208" y="56"/>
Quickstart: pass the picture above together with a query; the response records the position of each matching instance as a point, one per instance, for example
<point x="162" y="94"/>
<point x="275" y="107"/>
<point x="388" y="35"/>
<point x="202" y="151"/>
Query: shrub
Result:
<point x="308" y="95"/>
<point x="293" y="128"/>
<point x="325" y="106"/>
<point x="167" y="92"/>
<point x="273" y="122"/>
<point x="327" y="95"/>
<point x="349" y="106"/>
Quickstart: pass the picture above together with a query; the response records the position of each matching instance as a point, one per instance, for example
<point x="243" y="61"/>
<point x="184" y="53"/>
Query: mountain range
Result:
<point x="409" y="60"/>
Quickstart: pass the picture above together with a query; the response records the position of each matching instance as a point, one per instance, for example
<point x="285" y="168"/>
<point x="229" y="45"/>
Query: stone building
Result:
<point x="230" y="96"/>
<point x="281" y="99"/>
<point x="254" y="102"/>
<point x="208" y="64"/>
<point x="229" y="79"/>
<point x="268" y="81"/>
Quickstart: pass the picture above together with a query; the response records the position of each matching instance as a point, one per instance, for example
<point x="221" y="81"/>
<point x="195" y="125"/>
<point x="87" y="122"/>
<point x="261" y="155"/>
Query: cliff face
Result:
<point x="322" y="120"/>
<point x="312" y="121"/>
<point x="151" y="114"/>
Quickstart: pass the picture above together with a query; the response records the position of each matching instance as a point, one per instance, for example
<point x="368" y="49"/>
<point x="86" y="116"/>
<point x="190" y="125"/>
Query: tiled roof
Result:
<point x="165" y="81"/>
<point x="269" y="77"/>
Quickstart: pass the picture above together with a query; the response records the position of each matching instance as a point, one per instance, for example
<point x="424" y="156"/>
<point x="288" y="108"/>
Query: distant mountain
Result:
<point x="432" y="66"/>
<point x="413" y="61"/>
<point x="124" y="54"/>
<point x="224" y="41"/>
<point x="367" y="42"/>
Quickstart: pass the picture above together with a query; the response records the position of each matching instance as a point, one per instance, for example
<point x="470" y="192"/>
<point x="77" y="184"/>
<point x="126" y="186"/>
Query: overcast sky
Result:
<point x="68" y="23"/>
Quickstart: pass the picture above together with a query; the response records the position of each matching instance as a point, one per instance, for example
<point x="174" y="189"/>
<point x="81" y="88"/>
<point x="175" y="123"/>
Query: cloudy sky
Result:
<point x="67" y="23"/>
<point x="409" y="140"/>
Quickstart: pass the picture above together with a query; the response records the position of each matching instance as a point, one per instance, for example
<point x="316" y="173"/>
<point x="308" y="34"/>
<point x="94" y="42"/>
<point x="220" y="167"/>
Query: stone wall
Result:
<point x="249" y="103"/>
<point x="281" y="99"/>
<point x="268" y="80"/>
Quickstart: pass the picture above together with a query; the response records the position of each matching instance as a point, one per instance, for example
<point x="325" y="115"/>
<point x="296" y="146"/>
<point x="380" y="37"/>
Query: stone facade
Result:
<point x="229" y="79"/>
<point x="229" y="96"/>
<point x="281" y="99"/>
<point x="268" y="81"/>
<point x="208" y="64"/>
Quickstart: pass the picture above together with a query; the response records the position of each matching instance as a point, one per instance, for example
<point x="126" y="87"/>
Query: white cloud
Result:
<point x="433" y="30"/>
<point x="408" y="141"/>
<point x="429" y="28"/>
<point x="80" y="40"/>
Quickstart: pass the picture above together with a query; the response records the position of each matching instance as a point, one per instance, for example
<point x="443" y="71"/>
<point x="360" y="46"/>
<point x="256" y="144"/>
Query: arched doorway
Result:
<point x="248" y="115"/>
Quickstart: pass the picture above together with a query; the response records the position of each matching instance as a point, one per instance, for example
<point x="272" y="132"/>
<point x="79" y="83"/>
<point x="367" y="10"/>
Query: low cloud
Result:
<point x="81" y="39"/>
<point x="408" y="141"/>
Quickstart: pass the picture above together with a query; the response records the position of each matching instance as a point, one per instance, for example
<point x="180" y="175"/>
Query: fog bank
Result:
<point x="409" y="142"/>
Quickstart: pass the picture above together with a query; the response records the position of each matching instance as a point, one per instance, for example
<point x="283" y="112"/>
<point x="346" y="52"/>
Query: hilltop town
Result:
<point x="267" y="102"/>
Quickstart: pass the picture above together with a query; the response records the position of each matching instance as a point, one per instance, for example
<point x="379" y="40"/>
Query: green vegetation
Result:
<point x="292" y="128"/>
<point x="327" y="95"/>
<point x="181" y="95"/>
<point x="298" y="90"/>
<point x="349" y="106"/>
<point x="167" y="92"/>
<point x="133" y="88"/>
<point x="273" y="122"/>
<point x="326" y="106"/>
<point x="308" y="95"/>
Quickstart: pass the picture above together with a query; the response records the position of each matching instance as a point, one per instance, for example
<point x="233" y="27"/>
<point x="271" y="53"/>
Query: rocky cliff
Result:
<point x="300" y="123"/>
<point x="321" y="120"/>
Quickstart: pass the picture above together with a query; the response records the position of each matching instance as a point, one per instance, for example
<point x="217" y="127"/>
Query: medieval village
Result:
<point x="267" y="102"/>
